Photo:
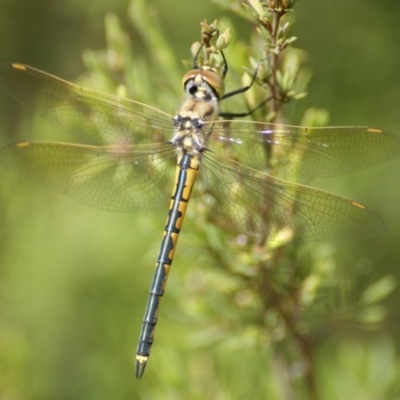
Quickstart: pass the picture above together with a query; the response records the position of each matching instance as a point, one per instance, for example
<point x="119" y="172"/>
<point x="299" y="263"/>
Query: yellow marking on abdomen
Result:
<point x="190" y="179"/>
<point x="174" y="238"/>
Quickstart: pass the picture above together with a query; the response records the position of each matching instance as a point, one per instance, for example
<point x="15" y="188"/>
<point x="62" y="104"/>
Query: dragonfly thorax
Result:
<point x="189" y="136"/>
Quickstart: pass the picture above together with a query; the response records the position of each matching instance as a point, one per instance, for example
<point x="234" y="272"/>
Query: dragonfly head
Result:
<point x="204" y="84"/>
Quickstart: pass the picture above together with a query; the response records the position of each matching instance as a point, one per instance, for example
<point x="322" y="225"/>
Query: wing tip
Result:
<point x="19" y="66"/>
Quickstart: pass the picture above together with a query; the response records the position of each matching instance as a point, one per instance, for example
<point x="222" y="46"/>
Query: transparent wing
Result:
<point x="90" y="116"/>
<point x="256" y="204"/>
<point x="132" y="173"/>
<point x="115" y="178"/>
<point x="97" y="118"/>
<point x="303" y="152"/>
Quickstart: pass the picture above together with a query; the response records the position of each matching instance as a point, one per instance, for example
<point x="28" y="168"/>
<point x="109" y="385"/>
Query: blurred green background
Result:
<point x="74" y="280"/>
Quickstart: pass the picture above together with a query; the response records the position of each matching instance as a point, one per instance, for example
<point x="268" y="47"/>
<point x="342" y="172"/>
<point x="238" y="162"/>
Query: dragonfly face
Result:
<point x="129" y="156"/>
<point x="204" y="83"/>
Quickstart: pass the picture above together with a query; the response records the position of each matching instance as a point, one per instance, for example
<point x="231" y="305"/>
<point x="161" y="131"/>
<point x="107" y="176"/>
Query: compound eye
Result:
<point x="215" y="82"/>
<point x="189" y="76"/>
<point x="195" y="77"/>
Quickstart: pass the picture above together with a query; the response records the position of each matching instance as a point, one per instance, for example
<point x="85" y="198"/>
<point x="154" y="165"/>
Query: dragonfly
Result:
<point x="129" y="156"/>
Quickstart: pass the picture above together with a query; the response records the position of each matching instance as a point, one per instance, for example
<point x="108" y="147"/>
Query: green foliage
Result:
<point x="239" y="320"/>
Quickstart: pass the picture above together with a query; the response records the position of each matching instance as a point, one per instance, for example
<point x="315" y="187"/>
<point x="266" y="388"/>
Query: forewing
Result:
<point x="115" y="178"/>
<point x="91" y="117"/>
<point x="293" y="151"/>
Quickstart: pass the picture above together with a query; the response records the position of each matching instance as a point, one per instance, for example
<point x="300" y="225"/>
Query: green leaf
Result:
<point x="378" y="290"/>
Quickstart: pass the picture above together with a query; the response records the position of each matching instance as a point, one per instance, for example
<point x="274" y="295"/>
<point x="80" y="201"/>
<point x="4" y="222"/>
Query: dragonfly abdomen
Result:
<point x="186" y="173"/>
